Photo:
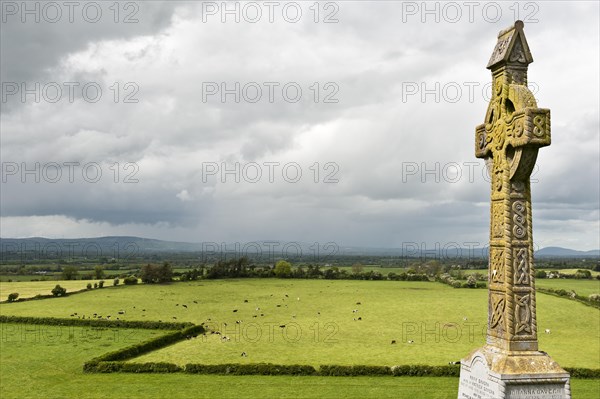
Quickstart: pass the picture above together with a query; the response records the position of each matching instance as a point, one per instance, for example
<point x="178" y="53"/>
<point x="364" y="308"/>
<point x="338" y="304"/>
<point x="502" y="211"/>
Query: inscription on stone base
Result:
<point x="475" y="382"/>
<point x="535" y="392"/>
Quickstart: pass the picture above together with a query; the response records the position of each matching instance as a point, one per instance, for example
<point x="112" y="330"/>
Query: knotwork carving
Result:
<point x="497" y="265"/>
<point x="521" y="266"/>
<point x="497" y="318"/>
<point x="522" y="314"/>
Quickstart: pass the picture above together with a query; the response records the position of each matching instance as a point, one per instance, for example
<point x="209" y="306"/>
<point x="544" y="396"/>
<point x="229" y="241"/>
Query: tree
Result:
<point x="69" y="273"/>
<point x="540" y="274"/>
<point x="59" y="291"/>
<point x="13" y="297"/>
<point x="131" y="280"/>
<point x="283" y="269"/>
<point x="357" y="268"/>
<point x="471" y="282"/>
<point x="98" y="272"/>
<point x="157" y="273"/>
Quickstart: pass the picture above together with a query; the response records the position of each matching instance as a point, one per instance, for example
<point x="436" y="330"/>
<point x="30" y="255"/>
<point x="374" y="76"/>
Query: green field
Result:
<point x="320" y="328"/>
<point x="46" y="362"/>
<point x="581" y="287"/>
<point x="29" y="289"/>
<point x="324" y="329"/>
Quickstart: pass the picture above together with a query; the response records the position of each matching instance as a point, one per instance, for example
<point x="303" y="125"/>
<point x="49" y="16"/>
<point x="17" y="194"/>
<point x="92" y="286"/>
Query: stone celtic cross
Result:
<point x="510" y="366"/>
<point x="509" y="140"/>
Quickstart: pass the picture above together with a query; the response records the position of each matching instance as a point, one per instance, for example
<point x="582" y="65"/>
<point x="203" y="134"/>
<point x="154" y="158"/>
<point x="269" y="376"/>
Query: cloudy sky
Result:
<point x="349" y="122"/>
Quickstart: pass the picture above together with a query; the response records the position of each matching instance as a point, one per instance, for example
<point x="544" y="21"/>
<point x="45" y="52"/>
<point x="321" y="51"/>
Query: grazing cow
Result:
<point x="355" y="311"/>
<point x="547" y="331"/>
<point x="358" y="303"/>
<point x="360" y="318"/>
<point x="195" y="301"/>
<point x="175" y="317"/>
<point x="410" y="341"/>
<point x="465" y="318"/>
<point x="244" y="354"/>
<point x="282" y="326"/>
<point x="298" y="298"/>
<point x="234" y="310"/>
<point x="278" y="306"/>
<point x="121" y="312"/>
<point x="257" y="309"/>
<point x="393" y="342"/>
<point x="245" y="301"/>
<point x="457" y="362"/>
<point x="185" y="306"/>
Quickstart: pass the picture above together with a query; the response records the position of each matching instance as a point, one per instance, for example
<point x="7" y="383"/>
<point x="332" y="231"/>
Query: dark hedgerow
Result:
<point x="54" y="321"/>
<point x="421" y="370"/>
<point x="250" y="369"/>
<point x="577" y="372"/>
<point x="122" y="367"/>
<point x="140" y="349"/>
<point x="341" y="371"/>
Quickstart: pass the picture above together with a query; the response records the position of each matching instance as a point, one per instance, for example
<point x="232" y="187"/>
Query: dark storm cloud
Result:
<point x="403" y="162"/>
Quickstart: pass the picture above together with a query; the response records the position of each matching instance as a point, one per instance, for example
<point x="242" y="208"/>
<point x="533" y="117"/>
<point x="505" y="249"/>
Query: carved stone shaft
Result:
<point x="509" y="140"/>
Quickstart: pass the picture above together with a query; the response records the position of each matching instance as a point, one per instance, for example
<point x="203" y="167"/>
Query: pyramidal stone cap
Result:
<point x="511" y="48"/>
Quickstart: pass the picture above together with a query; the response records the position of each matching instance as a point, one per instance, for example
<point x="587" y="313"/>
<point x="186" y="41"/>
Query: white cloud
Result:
<point x="371" y="140"/>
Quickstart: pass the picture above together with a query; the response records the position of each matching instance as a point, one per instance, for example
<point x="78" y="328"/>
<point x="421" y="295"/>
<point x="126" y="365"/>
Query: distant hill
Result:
<point x="565" y="252"/>
<point x="127" y="245"/>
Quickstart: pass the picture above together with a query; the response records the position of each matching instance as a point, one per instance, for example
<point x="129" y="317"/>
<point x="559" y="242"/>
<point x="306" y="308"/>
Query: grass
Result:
<point x="29" y="289"/>
<point x="47" y="363"/>
<point x="430" y="314"/>
<point x="581" y="287"/>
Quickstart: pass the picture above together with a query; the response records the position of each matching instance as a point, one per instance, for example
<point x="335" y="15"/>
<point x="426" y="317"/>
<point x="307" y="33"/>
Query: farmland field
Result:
<point x="321" y="326"/>
<point x="581" y="287"/>
<point x="28" y="289"/>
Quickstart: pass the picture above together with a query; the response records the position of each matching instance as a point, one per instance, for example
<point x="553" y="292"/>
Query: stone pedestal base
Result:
<point x="490" y="373"/>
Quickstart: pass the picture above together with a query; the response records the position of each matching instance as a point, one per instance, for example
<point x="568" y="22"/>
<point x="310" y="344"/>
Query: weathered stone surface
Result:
<point x="510" y="365"/>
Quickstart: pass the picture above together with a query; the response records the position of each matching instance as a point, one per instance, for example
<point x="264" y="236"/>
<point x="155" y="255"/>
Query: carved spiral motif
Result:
<point x="482" y="141"/>
<point x="519" y="229"/>
<point x="538" y="126"/>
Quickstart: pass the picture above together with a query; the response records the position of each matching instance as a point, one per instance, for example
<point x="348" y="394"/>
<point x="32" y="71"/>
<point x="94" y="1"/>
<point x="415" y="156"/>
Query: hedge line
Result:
<point x="416" y="370"/>
<point x="577" y="372"/>
<point x="568" y="295"/>
<point x="302" y="370"/>
<point x="250" y="369"/>
<point x="55" y="321"/>
<point x="122" y="367"/>
<point x="99" y="363"/>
